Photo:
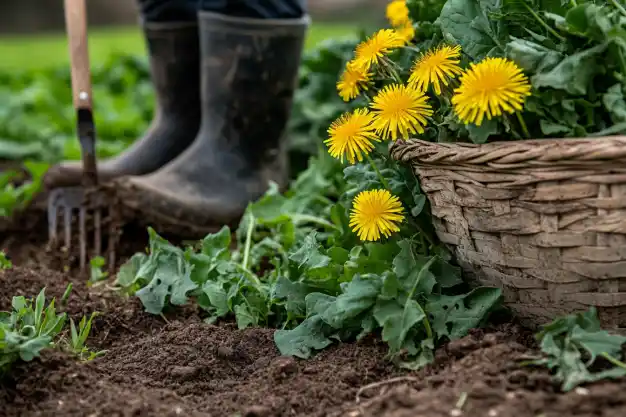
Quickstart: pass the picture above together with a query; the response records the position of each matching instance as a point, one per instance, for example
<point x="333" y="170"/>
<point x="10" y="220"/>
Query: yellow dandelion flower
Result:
<point x="400" y="109"/>
<point x="351" y="136"/>
<point x="397" y="12"/>
<point x="352" y="82"/>
<point x="375" y="213"/>
<point x="370" y="51"/>
<point x="434" y="67"/>
<point x="488" y="88"/>
<point x="406" y="32"/>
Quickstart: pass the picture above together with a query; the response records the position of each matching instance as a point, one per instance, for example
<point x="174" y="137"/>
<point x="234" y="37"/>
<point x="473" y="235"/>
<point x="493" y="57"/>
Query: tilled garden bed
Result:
<point x="177" y="365"/>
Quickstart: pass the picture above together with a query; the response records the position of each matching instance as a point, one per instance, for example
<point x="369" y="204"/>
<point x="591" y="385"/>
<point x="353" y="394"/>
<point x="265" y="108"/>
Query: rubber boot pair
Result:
<point x="224" y="90"/>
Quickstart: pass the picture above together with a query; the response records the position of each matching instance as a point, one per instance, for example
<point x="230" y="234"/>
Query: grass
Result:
<point x="41" y="51"/>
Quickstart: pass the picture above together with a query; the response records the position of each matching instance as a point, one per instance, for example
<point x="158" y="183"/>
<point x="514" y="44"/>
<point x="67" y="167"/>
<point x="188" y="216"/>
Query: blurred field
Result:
<point x="41" y="51"/>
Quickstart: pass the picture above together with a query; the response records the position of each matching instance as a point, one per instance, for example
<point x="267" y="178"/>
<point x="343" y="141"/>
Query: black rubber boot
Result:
<point x="249" y="74"/>
<point x="175" y="72"/>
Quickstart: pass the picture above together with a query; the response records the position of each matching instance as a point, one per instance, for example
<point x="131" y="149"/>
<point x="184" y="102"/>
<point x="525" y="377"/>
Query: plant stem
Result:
<point x="246" y="249"/>
<point x="523" y="124"/>
<point x="324" y="200"/>
<point x="252" y="276"/>
<point x="573" y="3"/>
<point x="542" y="22"/>
<point x="380" y="176"/>
<point x="388" y="65"/>
<point x="622" y="62"/>
<point x="619" y="7"/>
<point x="429" y="330"/>
<point x="307" y="218"/>
<point x="414" y="222"/>
<point x="613" y="360"/>
<point x="447" y="90"/>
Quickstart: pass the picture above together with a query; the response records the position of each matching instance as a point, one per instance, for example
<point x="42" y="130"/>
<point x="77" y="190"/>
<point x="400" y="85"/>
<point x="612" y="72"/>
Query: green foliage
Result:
<point x="294" y="263"/>
<point x="96" y="274"/>
<point x="5" y="262"/>
<point x="316" y="289"/>
<point x="37" y="120"/>
<point x="316" y="103"/>
<point x="238" y="282"/>
<point x="573" y="53"/>
<point x="406" y="304"/>
<point x="573" y="344"/>
<point x="32" y="326"/>
<point x="17" y="188"/>
<point x="28" y="329"/>
<point x="424" y="10"/>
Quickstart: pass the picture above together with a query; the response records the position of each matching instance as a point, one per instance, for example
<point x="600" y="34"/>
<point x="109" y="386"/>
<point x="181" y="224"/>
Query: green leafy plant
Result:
<point x="573" y="345"/>
<point x="295" y="264"/>
<point x="298" y="267"/>
<point x="32" y="326"/>
<point x="28" y="329"/>
<point x="226" y="281"/>
<point x="572" y="53"/>
<point x="37" y="120"/>
<point x="407" y="304"/>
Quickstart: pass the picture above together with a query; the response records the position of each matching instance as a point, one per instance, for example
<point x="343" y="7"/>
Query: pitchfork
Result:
<point x="87" y="199"/>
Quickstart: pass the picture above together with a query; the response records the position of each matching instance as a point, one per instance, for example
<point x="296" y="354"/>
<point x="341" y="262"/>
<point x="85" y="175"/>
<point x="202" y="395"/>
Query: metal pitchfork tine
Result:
<point x="86" y="199"/>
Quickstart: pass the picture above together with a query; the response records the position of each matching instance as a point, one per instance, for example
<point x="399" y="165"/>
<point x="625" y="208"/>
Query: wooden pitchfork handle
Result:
<point x="76" y="26"/>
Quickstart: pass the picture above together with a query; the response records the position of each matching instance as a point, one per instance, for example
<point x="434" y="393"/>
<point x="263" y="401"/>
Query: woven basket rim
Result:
<point x="522" y="153"/>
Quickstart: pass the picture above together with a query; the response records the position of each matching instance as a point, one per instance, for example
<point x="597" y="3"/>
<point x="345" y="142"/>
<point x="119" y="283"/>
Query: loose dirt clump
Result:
<point x="223" y="370"/>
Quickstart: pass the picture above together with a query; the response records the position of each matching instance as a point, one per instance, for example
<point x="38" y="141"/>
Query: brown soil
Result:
<point x="177" y="365"/>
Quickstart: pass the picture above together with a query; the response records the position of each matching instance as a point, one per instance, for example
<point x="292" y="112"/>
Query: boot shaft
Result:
<point x="174" y="51"/>
<point x="248" y="78"/>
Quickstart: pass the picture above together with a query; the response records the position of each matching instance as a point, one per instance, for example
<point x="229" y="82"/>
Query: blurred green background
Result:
<point x="25" y="52"/>
<point x="32" y="31"/>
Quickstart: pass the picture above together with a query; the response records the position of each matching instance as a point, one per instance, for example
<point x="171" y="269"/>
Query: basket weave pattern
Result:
<point x="545" y="220"/>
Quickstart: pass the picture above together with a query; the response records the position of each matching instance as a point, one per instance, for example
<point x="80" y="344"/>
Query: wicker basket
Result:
<point x="545" y="220"/>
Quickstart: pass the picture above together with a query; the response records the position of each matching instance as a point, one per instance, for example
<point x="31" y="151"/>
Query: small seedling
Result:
<point x="79" y="337"/>
<point x="97" y="274"/>
<point x="66" y="294"/>
<point x="5" y="262"/>
<point x="571" y="346"/>
<point x="28" y="329"/>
